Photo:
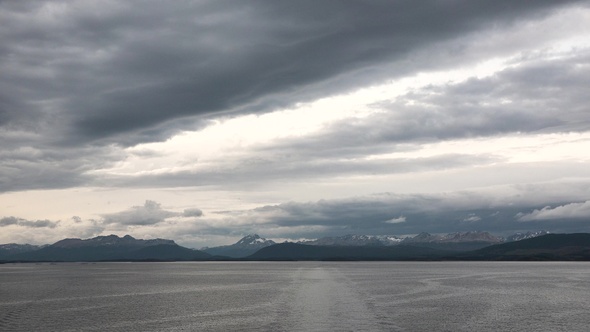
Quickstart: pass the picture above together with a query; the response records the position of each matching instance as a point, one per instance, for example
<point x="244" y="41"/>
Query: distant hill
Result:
<point x="545" y="247"/>
<point x="9" y="249"/>
<point x="297" y="251"/>
<point x="110" y="248"/>
<point x="110" y="241"/>
<point x="244" y="247"/>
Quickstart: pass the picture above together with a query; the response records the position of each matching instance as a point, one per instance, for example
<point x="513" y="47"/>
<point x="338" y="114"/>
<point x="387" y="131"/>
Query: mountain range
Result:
<point x="424" y="246"/>
<point x="554" y="247"/>
<point x="355" y="240"/>
<point x="104" y="248"/>
<point x="462" y="241"/>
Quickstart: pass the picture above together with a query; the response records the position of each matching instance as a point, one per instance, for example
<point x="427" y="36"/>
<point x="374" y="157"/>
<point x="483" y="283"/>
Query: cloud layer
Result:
<point x="7" y="221"/>
<point x="266" y="105"/>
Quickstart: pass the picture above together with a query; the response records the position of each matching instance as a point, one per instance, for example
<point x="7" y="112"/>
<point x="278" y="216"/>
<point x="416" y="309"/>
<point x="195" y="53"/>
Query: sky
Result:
<point x="204" y="121"/>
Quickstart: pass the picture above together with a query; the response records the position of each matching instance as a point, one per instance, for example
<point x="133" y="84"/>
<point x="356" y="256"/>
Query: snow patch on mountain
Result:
<point x="253" y="240"/>
<point x="355" y="240"/>
<point x="523" y="236"/>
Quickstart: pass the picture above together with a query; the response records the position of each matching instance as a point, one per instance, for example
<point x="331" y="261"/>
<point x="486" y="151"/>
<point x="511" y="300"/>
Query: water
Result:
<point x="295" y="296"/>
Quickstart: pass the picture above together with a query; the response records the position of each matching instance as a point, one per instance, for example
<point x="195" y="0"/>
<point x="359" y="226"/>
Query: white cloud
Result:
<point x="148" y="214"/>
<point x="192" y="212"/>
<point x="568" y="211"/>
<point x="472" y="218"/>
<point x="397" y="220"/>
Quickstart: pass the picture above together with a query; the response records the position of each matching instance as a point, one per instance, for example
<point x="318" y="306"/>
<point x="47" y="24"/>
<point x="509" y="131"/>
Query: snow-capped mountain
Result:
<point x="253" y="240"/>
<point x="473" y="236"/>
<point x="523" y="236"/>
<point x="458" y="237"/>
<point x="460" y="241"/>
<point x="246" y="246"/>
<point x="423" y="238"/>
<point x="355" y="240"/>
<point x="391" y="240"/>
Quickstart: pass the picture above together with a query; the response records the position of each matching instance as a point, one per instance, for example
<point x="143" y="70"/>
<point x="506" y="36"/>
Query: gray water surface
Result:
<point x="295" y="296"/>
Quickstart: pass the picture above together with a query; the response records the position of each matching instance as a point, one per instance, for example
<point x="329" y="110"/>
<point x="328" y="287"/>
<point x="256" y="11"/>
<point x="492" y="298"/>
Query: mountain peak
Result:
<point x="244" y="247"/>
<point x="423" y="235"/>
<point x="253" y="240"/>
<point x="249" y="238"/>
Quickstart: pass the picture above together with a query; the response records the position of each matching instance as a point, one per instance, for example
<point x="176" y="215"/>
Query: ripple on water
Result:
<point x="296" y="296"/>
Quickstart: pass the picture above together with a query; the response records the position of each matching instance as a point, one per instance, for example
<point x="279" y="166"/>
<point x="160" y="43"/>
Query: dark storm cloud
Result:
<point x="373" y="214"/>
<point x="410" y="214"/>
<point x="24" y="168"/>
<point x="119" y="67"/>
<point x="7" y="221"/>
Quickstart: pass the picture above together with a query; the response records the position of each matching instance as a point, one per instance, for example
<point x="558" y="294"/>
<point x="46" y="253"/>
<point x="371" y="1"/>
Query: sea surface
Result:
<point x="296" y="296"/>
